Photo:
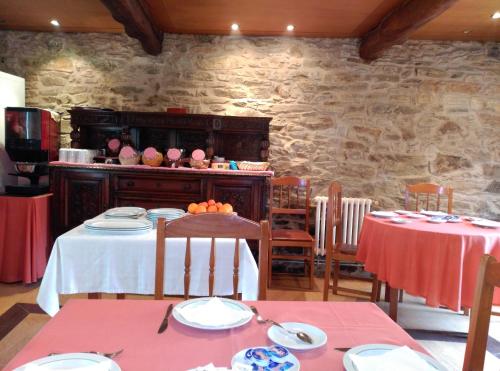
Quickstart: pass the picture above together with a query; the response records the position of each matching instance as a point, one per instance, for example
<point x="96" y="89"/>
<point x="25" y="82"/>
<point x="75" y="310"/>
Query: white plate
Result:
<point x="384" y="214"/>
<point x="485" y="223"/>
<point x="400" y="221"/>
<point x="262" y="355"/>
<point x="126" y="210"/>
<point x="68" y="361"/>
<point x="432" y="213"/>
<point x="416" y="216"/>
<point x="166" y="211"/>
<point x="122" y="224"/>
<point x="376" y="349"/>
<point x="436" y="220"/>
<point x="233" y="304"/>
<point x="403" y="212"/>
<point x="290" y="341"/>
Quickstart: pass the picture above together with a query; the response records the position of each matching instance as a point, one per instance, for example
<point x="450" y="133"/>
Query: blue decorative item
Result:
<point x="232" y="165"/>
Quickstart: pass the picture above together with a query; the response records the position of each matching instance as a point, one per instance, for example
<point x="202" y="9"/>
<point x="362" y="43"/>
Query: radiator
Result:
<point x="353" y="212"/>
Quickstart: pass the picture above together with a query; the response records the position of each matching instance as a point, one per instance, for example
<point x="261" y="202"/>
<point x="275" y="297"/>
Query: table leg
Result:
<point x="94" y="295"/>
<point x="393" y="304"/>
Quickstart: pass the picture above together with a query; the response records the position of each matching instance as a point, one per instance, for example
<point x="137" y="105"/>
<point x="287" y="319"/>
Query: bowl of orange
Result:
<point x="210" y="206"/>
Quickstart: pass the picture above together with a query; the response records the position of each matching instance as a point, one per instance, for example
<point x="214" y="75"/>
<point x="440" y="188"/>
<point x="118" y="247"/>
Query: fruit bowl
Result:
<point x="210" y="207"/>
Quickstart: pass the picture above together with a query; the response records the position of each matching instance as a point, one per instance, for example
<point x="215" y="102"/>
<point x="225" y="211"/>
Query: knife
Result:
<point x="164" y="323"/>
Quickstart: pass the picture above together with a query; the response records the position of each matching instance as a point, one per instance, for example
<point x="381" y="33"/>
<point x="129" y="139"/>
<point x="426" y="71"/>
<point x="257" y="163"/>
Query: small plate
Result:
<point x="233" y="304"/>
<point x="125" y="211"/>
<point x="376" y="349"/>
<point x="416" y="216"/>
<point x="267" y="358"/>
<point x="432" y="213"/>
<point x="403" y="212"/>
<point x="485" y="223"/>
<point x="400" y="221"/>
<point x="290" y="341"/>
<point x="437" y="220"/>
<point x="68" y="361"/>
<point x="384" y="214"/>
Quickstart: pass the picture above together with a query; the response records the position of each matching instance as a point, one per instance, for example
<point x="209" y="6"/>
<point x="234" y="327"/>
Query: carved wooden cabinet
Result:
<point x="83" y="191"/>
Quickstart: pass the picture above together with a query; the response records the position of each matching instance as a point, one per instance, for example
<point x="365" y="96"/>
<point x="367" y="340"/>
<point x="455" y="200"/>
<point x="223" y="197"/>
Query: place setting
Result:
<point x="167" y="213"/>
<point x="118" y="226"/>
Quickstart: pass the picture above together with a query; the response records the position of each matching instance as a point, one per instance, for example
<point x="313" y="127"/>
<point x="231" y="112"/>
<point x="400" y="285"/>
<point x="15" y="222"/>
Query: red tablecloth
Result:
<point x="109" y="325"/>
<point x="24" y="237"/>
<point x="436" y="261"/>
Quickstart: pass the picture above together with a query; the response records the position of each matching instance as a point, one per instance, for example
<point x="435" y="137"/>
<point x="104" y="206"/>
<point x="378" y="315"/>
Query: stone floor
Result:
<point x="413" y="314"/>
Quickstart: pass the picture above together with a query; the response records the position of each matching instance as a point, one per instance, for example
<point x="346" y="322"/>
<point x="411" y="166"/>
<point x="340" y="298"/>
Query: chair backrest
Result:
<point x="292" y="196"/>
<point x="488" y="277"/>
<point x="212" y="225"/>
<point x="334" y="214"/>
<point x="424" y="191"/>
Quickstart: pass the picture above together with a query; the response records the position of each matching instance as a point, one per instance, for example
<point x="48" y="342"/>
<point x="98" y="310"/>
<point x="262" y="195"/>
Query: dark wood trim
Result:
<point x="135" y="17"/>
<point x="399" y="24"/>
<point x="15" y="314"/>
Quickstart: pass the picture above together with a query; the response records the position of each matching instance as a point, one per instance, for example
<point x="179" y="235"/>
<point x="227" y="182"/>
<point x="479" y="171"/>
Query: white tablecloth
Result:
<point x="83" y="262"/>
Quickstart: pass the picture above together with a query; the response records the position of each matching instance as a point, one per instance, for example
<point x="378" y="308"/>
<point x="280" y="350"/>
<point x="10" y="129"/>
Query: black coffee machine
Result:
<point x="32" y="141"/>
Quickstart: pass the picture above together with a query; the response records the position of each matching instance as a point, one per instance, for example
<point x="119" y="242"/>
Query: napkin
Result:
<point x="401" y="359"/>
<point x="101" y="366"/>
<point x="213" y="313"/>
<point x="210" y="367"/>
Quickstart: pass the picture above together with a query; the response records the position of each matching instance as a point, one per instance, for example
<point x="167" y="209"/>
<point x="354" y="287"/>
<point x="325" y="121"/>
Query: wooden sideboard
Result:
<point x="83" y="191"/>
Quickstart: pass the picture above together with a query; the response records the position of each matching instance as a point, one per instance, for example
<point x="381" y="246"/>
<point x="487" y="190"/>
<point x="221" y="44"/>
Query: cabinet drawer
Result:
<point x="178" y="185"/>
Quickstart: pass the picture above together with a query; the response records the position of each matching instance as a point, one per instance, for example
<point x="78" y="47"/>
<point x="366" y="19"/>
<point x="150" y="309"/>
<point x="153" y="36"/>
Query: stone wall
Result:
<point x="427" y="111"/>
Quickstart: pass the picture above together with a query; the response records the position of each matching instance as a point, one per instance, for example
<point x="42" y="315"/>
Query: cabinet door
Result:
<point x="245" y="195"/>
<point x="84" y="196"/>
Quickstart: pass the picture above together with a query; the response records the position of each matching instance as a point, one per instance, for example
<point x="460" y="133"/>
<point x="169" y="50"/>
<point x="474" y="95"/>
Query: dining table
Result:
<point x="106" y="325"/>
<point x="24" y="237"/>
<point x="86" y="261"/>
<point x="436" y="261"/>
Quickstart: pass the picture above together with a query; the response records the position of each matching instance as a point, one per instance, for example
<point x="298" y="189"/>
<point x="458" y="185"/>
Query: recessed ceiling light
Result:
<point x="290" y="27"/>
<point x="496" y="15"/>
<point x="235" y="27"/>
<point x="55" y="23"/>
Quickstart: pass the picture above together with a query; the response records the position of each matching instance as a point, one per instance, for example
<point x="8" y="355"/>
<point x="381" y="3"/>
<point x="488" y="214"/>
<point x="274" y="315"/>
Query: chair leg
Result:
<point x="379" y="289"/>
<point x="328" y="275"/>
<point x="400" y="296"/>
<point x="311" y="270"/>
<point x="270" y="268"/>
<point x="336" y="273"/>
<point x="374" y="293"/>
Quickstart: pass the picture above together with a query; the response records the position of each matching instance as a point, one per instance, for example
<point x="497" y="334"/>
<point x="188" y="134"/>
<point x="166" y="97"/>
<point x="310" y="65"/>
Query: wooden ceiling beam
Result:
<point x="399" y="24"/>
<point x="135" y="17"/>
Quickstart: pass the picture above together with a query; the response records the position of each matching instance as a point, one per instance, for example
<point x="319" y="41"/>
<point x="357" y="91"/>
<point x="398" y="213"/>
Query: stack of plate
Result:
<point x="125" y="212"/>
<point x="167" y="213"/>
<point x="118" y="226"/>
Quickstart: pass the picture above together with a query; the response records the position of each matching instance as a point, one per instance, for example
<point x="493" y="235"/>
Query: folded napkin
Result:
<point x="213" y="313"/>
<point x="236" y="367"/>
<point x="400" y="359"/>
<point x="105" y="365"/>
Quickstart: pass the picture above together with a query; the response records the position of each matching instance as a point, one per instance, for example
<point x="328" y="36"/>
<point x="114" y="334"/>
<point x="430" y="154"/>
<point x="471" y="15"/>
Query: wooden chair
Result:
<point x="488" y="278"/>
<point x="426" y="190"/>
<point x="293" y="199"/>
<point x="213" y="226"/>
<point x="338" y="251"/>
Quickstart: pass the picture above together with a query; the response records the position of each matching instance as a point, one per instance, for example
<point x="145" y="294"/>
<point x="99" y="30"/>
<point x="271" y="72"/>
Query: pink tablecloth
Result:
<point x="24" y="237"/>
<point x="436" y="261"/>
<point x="109" y="325"/>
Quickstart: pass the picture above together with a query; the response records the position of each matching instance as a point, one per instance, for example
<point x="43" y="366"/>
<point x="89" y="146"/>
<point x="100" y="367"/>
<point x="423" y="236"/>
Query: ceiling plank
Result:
<point x="135" y="17"/>
<point x="399" y="24"/>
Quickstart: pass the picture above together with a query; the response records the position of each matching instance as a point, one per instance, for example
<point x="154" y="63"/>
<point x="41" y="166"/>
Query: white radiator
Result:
<point x="353" y="212"/>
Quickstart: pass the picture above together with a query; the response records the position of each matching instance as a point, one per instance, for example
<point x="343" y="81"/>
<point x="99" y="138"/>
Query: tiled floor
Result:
<point x="412" y="315"/>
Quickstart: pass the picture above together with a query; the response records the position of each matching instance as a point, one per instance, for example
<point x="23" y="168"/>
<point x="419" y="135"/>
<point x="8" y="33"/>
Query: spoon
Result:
<point x="301" y="335"/>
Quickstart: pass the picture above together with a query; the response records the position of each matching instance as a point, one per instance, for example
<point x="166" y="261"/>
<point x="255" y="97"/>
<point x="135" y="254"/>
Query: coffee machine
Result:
<point x="32" y="141"/>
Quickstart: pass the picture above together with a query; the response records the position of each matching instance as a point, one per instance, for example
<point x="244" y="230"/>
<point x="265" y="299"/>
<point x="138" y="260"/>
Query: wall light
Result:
<point x="290" y="27"/>
<point x="55" y="23"/>
<point x="496" y="15"/>
<point x="235" y="27"/>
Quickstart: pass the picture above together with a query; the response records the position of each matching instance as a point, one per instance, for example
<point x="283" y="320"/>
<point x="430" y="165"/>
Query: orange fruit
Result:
<point x="200" y="209"/>
<point x="218" y="204"/>
<point x="205" y="204"/>
<point x="212" y="209"/>
<point x="192" y="207"/>
<point x="211" y="202"/>
<point x="226" y="209"/>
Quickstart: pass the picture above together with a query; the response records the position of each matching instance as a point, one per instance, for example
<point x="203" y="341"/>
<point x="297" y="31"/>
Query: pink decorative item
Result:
<point x="173" y="154"/>
<point x="129" y="156"/>
<point x="152" y="157"/>
<point x="114" y="146"/>
<point x="198" y="155"/>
